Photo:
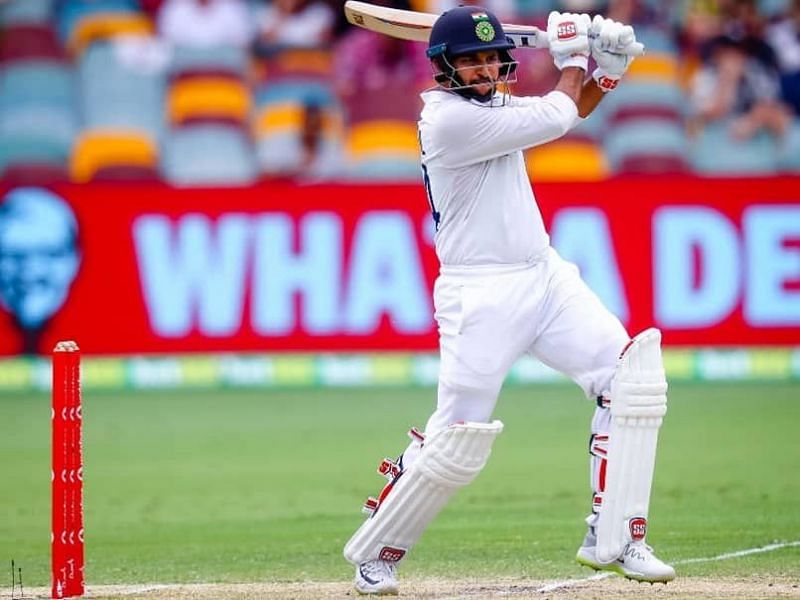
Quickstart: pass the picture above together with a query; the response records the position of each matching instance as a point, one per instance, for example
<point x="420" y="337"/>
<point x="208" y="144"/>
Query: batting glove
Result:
<point x="609" y="39"/>
<point x="568" y="35"/>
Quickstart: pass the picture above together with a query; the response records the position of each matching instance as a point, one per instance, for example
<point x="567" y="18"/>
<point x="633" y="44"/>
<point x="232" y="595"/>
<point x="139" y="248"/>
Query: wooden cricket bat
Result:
<point x="416" y="26"/>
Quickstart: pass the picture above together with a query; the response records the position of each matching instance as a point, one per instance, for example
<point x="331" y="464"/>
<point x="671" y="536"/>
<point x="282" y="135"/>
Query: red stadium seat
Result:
<point x="34" y="174"/>
<point x="27" y="42"/>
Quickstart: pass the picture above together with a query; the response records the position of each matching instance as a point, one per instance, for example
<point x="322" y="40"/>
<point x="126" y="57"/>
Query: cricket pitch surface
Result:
<point x="694" y="588"/>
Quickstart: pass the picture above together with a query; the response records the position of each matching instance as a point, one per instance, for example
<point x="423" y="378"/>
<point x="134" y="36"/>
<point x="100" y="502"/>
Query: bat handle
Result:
<point x="540" y="41"/>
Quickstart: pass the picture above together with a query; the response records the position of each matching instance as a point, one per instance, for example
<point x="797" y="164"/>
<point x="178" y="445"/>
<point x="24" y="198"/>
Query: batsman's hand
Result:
<point x="609" y="40"/>
<point x="568" y="36"/>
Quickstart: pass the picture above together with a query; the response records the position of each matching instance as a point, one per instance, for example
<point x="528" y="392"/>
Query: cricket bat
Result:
<point x="416" y="26"/>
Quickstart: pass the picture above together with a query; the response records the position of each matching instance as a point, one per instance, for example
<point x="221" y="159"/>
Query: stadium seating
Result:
<point x="202" y="60"/>
<point x="279" y="122"/>
<point x="78" y="100"/>
<point x="638" y="94"/>
<point x="204" y="98"/>
<point x="31" y="153"/>
<point x="36" y="41"/>
<point x="37" y="113"/>
<point x="383" y="150"/>
<point x="655" y="66"/>
<point x="789" y="159"/>
<point x="113" y="154"/>
<point x="115" y="93"/>
<point x="296" y="64"/>
<point x="26" y="12"/>
<point x="716" y="152"/>
<point x="573" y="158"/>
<point x="281" y="129"/>
<point x="208" y="154"/>
<point x="82" y="22"/>
<point x="646" y="145"/>
<point x="532" y="8"/>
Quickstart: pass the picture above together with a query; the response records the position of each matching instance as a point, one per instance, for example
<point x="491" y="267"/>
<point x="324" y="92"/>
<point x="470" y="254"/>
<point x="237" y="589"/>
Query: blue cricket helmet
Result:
<point x="469" y="29"/>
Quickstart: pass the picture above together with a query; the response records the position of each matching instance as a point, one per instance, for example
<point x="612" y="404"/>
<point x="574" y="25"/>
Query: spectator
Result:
<point x="205" y="23"/>
<point x="734" y="84"/>
<point x="295" y="23"/>
<point x="784" y="38"/>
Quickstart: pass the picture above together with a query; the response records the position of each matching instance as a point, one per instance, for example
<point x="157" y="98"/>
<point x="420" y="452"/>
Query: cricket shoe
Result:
<point x="637" y="562"/>
<point x="376" y="577"/>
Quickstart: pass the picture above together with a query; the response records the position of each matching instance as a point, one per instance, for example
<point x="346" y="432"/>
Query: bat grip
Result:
<point x="634" y="49"/>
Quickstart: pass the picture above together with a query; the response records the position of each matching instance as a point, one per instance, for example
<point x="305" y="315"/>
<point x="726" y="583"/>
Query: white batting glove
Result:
<point x="610" y="38"/>
<point x="568" y="35"/>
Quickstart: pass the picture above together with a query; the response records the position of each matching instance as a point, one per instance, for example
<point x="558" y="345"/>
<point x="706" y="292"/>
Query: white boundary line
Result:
<point x="559" y="585"/>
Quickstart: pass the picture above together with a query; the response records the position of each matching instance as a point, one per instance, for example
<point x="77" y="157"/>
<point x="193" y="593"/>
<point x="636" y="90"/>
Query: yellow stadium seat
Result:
<point x="289" y="117"/>
<point x="95" y="150"/>
<point x="208" y="97"/>
<point x="657" y="66"/>
<point x="102" y="25"/>
<point x="567" y="160"/>
<point x="372" y="138"/>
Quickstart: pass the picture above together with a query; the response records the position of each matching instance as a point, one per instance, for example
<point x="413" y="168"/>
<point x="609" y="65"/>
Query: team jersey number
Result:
<point x="426" y="180"/>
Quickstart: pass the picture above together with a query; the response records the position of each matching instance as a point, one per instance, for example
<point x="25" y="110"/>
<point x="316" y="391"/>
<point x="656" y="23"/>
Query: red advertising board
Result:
<point x="150" y="269"/>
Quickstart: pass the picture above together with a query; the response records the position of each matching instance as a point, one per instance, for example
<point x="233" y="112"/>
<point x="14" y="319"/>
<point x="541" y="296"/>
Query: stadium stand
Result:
<point x="89" y="91"/>
<point x="208" y="154"/>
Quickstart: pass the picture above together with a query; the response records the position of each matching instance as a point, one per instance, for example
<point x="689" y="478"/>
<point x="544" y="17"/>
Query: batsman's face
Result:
<point x="480" y="70"/>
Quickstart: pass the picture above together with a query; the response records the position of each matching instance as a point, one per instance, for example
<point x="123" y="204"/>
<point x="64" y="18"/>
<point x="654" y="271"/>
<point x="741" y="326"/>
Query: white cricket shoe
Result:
<point x="376" y="577"/>
<point x="637" y="562"/>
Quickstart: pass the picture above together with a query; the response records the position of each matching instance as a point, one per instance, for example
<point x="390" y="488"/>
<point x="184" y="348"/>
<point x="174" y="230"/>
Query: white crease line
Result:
<point x="550" y="587"/>
<point x="739" y="553"/>
<point x="598" y="576"/>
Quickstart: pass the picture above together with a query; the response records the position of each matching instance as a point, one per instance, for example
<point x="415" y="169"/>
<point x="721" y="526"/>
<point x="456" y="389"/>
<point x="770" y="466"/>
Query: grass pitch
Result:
<point x="266" y="486"/>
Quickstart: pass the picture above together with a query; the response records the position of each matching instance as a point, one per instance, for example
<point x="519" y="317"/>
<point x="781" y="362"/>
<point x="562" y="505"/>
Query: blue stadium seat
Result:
<point x="317" y="93"/>
<point x="37" y="112"/>
<point x="229" y="59"/>
<point x="773" y="8"/>
<point x="528" y="8"/>
<point x="17" y="12"/>
<point x="656" y="39"/>
<point x="790" y="149"/>
<point x="37" y="81"/>
<point x="659" y="144"/>
<point x="644" y="94"/>
<point x="208" y="154"/>
<point x="40" y="121"/>
<point x="282" y="155"/>
<point x="116" y="95"/>
<point x="26" y="149"/>
<point x="715" y="152"/>
<point x="385" y="170"/>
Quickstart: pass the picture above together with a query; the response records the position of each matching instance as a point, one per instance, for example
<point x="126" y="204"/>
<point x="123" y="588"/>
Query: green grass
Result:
<point x="245" y="486"/>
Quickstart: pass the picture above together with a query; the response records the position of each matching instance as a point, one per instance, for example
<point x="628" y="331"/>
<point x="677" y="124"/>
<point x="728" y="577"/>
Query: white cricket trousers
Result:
<point x="489" y="317"/>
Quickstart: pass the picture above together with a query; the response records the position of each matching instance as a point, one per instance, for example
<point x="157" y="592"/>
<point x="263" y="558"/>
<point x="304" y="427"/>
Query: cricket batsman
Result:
<point x="503" y="291"/>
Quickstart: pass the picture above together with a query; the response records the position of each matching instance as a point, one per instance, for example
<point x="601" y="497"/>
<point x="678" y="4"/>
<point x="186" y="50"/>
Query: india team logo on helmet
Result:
<point x="484" y="31"/>
<point x="483" y="28"/>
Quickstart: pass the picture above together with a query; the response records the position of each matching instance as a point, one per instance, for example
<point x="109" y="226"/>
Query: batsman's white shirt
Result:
<point x="502" y="290"/>
<point x="475" y="173"/>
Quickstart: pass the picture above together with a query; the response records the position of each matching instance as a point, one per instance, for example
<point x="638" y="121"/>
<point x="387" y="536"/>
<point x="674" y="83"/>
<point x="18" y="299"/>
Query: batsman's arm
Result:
<point x="590" y="97"/>
<point x="571" y="83"/>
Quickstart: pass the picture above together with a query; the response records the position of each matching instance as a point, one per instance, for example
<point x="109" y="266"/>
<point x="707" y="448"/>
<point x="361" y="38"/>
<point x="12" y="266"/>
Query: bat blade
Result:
<point x="402" y="24"/>
<point x="416" y="26"/>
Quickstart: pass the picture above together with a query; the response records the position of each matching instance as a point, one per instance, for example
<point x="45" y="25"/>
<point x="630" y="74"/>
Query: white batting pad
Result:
<point x="449" y="460"/>
<point x="638" y="404"/>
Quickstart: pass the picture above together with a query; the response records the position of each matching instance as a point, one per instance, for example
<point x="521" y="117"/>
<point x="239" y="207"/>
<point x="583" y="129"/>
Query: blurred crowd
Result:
<point x="229" y="92"/>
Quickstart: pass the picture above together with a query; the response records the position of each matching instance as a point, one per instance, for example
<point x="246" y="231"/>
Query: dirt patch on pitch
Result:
<point x="584" y="589"/>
